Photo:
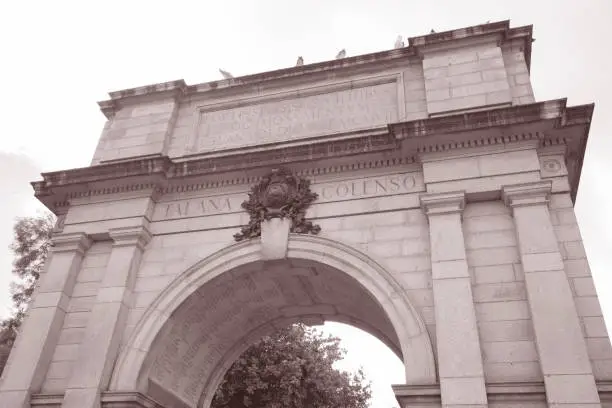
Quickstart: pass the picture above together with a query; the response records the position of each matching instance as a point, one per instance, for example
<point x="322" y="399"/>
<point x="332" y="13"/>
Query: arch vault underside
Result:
<point x="215" y="310"/>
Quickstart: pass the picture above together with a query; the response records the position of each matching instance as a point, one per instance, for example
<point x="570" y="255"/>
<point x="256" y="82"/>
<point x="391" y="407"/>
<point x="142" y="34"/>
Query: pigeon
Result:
<point x="341" y="54"/>
<point x="399" y="43"/>
<point x="432" y="31"/>
<point x="300" y="62"/>
<point x="226" y="75"/>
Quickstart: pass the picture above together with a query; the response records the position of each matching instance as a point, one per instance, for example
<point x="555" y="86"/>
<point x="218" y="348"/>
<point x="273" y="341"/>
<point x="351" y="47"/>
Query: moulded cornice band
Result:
<point x="535" y="193"/>
<point x="70" y="242"/>
<point x="131" y="236"/>
<point x="443" y="203"/>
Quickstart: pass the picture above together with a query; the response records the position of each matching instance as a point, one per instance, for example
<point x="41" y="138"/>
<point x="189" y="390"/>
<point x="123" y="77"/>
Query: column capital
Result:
<point x="70" y="242"/>
<point x="443" y="203"/>
<point x="130" y="236"/>
<point x="521" y="195"/>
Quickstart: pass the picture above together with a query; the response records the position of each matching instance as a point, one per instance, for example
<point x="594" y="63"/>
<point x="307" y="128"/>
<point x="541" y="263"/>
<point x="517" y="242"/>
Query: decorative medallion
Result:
<point x="283" y="195"/>
<point x="551" y="165"/>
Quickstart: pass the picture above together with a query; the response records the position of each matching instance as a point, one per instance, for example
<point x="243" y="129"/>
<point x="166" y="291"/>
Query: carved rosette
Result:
<point x="283" y="195"/>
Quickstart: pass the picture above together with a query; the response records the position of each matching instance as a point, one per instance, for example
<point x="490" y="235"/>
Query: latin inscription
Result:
<point x="297" y="118"/>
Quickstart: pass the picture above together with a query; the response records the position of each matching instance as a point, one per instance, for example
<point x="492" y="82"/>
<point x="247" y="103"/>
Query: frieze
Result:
<point x="349" y="189"/>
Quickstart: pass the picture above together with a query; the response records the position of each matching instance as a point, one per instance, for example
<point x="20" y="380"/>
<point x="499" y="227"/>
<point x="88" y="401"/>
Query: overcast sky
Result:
<point x="60" y="57"/>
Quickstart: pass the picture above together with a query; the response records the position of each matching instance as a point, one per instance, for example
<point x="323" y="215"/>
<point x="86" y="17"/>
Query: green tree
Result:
<point x="31" y="242"/>
<point x="292" y="368"/>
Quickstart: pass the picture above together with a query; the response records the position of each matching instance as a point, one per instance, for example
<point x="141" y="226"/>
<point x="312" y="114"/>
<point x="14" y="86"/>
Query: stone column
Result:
<point x="100" y="346"/>
<point x="32" y="352"/>
<point x="459" y="357"/>
<point x="568" y="375"/>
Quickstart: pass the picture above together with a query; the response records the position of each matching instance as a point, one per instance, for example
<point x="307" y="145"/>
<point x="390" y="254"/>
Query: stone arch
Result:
<point x="410" y="337"/>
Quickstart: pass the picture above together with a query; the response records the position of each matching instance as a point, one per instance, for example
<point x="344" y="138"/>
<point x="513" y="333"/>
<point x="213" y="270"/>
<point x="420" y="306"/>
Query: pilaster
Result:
<point x="568" y="375"/>
<point x="32" y="352"/>
<point x="99" y="349"/>
<point x="459" y="357"/>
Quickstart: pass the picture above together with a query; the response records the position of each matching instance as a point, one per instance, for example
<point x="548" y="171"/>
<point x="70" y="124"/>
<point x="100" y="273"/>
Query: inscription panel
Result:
<point x="296" y="118"/>
<point x="401" y="183"/>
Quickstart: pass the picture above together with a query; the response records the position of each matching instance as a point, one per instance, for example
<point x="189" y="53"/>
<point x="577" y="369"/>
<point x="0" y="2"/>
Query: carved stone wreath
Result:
<point x="283" y="195"/>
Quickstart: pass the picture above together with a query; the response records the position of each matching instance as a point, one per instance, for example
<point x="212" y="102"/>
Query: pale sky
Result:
<point x="60" y="57"/>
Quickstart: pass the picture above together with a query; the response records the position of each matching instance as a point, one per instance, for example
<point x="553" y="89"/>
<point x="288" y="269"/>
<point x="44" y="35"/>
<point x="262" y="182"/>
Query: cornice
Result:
<point x="417" y="130"/>
<point x="528" y="194"/>
<point x="443" y="203"/>
<point x="76" y="242"/>
<point x="131" y="236"/>
<point x="158" y="173"/>
<point x="547" y="123"/>
<point x="175" y="89"/>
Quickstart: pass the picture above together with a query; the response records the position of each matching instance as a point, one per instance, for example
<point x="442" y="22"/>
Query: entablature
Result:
<point x="547" y="124"/>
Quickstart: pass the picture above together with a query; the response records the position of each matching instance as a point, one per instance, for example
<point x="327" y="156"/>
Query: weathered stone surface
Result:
<point x="294" y="117"/>
<point x="407" y="152"/>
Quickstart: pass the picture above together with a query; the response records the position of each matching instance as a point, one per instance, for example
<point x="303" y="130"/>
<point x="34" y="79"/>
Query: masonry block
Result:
<point x="470" y="79"/>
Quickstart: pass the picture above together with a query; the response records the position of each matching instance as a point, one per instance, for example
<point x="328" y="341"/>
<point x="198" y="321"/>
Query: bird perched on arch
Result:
<point x="226" y="75"/>
<point x="300" y="62"/>
<point x="399" y="43"/>
<point x="432" y="31"/>
<point x="341" y="54"/>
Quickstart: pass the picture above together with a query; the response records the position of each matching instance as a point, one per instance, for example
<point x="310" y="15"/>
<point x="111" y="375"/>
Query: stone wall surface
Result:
<point x="138" y="130"/>
<point x="583" y="288"/>
<point x="500" y="297"/>
<point x="447" y="230"/>
<point x="377" y="212"/>
<point x="77" y="317"/>
<point x="518" y="74"/>
<point x="473" y="77"/>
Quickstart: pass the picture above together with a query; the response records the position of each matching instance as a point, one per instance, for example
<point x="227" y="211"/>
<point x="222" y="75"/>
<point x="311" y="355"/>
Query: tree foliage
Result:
<point x="293" y="368"/>
<point x="32" y="239"/>
<point x="31" y="242"/>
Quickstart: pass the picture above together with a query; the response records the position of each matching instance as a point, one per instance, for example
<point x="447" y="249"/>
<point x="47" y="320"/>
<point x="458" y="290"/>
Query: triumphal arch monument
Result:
<point x="421" y="194"/>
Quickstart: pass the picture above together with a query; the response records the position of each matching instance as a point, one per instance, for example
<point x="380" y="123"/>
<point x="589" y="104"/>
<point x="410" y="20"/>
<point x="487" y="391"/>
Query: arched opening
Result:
<point x="215" y="310"/>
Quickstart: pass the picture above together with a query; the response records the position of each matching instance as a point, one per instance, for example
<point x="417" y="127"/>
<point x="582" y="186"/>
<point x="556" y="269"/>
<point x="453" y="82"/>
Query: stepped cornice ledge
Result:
<point x="549" y="123"/>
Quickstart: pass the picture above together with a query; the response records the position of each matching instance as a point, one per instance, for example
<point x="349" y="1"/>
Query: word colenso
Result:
<point x="399" y="183"/>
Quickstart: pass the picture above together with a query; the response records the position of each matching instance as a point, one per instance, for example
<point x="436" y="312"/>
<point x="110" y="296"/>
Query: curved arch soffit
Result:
<point x="411" y="331"/>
